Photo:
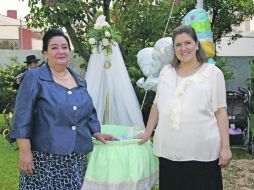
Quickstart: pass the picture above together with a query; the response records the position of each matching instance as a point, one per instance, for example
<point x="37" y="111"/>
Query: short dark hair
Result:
<point x="200" y="53"/>
<point x="50" y="34"/>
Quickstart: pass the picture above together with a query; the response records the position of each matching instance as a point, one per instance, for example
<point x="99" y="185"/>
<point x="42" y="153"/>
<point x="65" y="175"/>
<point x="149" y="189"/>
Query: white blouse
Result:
<point x="187" y="128"/>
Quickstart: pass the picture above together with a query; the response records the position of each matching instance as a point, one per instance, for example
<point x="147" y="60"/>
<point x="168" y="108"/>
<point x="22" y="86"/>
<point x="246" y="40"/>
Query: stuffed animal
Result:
<point x="152" y="59"/>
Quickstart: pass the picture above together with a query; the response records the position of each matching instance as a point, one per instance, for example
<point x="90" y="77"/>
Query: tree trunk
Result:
<point x="78" y="46"/>
<point x="106" y="10"/>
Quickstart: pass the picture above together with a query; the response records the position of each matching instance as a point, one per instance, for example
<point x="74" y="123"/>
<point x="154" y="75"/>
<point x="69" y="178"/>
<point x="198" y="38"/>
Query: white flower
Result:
<point x="91" y="10"/>
<point x="101" y="21"/>
<point x="107" y="34"/>
<point x="105" y="42"/>
<point x="91" y="41"/>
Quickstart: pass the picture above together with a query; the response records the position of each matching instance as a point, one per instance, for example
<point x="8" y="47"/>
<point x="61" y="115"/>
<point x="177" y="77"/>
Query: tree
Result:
<point x="228" y="14"/>
<point x="142" y="22"/>
<point x="74" y="15"/>
<point x="7" y="90"/>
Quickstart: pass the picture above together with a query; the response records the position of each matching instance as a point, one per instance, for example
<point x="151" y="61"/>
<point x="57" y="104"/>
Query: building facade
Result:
<point x="14" y="34"/>
<point x="239" y="54"/>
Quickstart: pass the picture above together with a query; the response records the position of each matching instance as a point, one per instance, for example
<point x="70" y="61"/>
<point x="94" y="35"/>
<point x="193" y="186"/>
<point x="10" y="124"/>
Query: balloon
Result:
<point x="208" y="47"/>
<point x="151" y="60"/>
<point x="149" y="84"/>
<point x="163" y="50"/>
<point x="145" y="61"/>
<point x="199" y="20"/>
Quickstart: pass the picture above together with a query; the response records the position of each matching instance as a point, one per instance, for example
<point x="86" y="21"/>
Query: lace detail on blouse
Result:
<point x="175" y="110"/>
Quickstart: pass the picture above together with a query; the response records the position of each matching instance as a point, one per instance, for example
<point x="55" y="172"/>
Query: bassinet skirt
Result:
<point x="189" y="175"/>
<point x="54" y="172"/>
<point x="121" y="165"/>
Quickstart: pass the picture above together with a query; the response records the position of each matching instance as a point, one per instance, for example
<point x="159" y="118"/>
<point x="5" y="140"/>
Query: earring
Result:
<point x="197" y="48"/>
<point x="45" y="59"/>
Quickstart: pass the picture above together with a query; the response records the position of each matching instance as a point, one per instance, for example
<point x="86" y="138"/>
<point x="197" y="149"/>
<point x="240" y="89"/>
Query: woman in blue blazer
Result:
<point x="54" y="121"/>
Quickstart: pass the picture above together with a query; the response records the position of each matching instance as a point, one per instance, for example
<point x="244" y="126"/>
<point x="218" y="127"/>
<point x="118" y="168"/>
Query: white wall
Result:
<point x="9" y="32"/>
<point x="251" y="25"/>
<point x="36" y="44"/>
<point x="241" y="47"/>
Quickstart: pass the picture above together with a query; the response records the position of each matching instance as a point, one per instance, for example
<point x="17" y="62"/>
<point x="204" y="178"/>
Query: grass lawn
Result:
<point x="9" y="174"/>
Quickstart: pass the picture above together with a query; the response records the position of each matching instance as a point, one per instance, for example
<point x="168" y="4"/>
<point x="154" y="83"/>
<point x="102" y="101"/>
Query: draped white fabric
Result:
<point x="123" y="106"/>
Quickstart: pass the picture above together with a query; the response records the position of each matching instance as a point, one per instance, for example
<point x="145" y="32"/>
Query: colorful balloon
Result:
<point x="199" y="20"/>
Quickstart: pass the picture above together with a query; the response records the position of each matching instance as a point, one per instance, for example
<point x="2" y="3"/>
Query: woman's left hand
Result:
<point x="224" y="157"/>
<point x="104" y="137"/>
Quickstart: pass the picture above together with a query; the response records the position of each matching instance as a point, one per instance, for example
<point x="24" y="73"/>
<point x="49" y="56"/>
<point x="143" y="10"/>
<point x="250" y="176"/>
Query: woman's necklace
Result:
<point x="56" y="74"/>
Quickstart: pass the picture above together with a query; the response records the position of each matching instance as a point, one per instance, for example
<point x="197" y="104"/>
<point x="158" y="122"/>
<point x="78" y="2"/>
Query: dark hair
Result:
<point x="200" y="53"/>
<point x="50" y="34"/>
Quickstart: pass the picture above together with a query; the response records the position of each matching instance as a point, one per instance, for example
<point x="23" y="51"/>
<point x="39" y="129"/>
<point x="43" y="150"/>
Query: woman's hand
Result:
<point x="143" y="136"/>
<point x="223" y="124"/>
<point x="26" y="163"/>
<point x="104" y="137"/>
<point x="224" y="157"/>
<point x="151" y="124"/>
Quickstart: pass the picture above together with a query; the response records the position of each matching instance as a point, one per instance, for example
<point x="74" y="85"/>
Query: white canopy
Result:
<point x="114" y="83"/>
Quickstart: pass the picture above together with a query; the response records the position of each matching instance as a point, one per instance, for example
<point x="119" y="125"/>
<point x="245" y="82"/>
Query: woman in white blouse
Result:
<point x="191" y="138"/>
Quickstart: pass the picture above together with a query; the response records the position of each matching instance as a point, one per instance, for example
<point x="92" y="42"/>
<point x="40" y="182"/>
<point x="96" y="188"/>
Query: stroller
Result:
<point x="238" y="103"/>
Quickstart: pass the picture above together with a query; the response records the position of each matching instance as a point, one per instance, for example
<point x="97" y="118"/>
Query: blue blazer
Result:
<point x="57" y="120"/>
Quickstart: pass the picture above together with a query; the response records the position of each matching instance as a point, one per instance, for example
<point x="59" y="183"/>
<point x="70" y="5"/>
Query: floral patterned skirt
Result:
<point x="55" y="172"/>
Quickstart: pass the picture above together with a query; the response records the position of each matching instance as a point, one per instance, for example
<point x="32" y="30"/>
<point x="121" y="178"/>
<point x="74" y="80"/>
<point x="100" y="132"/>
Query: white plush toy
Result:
<point x="163" y="50"/>
<point x="152" y="59"/>
<point x="145" y="61"/>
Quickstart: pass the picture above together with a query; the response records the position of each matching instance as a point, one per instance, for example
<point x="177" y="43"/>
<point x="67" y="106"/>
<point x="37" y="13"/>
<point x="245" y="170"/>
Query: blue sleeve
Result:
<point x="25" y="107"/>
<point x="94" y="124"/>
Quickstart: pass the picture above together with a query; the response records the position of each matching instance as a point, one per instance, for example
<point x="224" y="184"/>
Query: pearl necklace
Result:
<point x="56" y="75"/>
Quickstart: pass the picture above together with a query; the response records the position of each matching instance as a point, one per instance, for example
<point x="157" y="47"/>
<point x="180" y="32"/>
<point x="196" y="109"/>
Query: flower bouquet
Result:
<point x="102" y="36"/>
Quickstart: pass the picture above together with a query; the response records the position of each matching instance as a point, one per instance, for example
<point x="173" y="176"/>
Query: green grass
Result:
<point x="2" y="123"/>
<point x="238" y="154"/>
<point x="9" y="174"/>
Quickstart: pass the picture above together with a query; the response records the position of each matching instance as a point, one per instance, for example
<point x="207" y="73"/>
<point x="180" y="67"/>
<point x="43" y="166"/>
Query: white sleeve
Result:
<point x="219" y="91"/>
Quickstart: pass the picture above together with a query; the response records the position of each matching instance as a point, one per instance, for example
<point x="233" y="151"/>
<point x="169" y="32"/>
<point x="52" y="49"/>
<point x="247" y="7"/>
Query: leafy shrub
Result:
<point x="7" y="90"/>
<point x="222" y="63"/>
<point x="2" y="123"/>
